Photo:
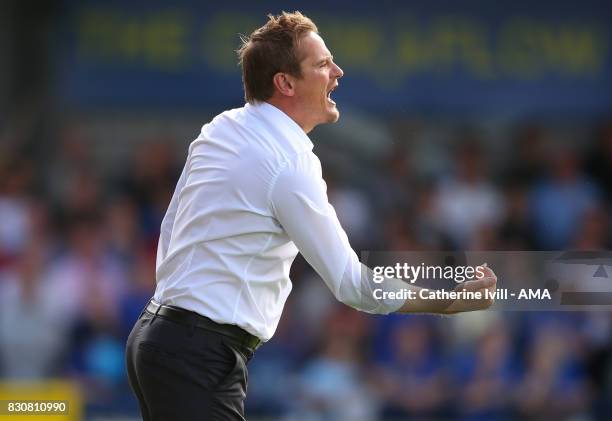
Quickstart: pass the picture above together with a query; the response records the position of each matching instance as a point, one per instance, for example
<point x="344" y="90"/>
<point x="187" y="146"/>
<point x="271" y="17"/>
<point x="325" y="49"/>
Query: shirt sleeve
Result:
<point x="300" y="203"/>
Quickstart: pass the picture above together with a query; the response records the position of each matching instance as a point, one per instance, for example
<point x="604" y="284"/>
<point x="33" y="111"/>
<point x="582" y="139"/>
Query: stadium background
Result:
<point x="465" y="125"/>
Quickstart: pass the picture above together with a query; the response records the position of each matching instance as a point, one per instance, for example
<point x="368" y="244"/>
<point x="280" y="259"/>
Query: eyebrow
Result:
<point x="323" y="60"/>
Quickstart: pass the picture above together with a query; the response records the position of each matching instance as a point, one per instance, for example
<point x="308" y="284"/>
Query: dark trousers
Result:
<point x="181" y="372"/>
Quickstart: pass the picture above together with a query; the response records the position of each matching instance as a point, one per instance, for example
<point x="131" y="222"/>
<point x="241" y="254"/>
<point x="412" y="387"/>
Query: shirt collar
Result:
<point x="282" y="121"/>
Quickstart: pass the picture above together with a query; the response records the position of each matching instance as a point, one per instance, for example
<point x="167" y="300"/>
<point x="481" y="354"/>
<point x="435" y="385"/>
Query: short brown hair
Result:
<point x="272" y="49"/>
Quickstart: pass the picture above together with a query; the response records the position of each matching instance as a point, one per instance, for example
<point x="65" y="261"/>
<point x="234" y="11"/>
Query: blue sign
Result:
<point x="411" y="56"/>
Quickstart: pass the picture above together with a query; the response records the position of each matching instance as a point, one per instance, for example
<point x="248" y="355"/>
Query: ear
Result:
<point x="284" y="84"/>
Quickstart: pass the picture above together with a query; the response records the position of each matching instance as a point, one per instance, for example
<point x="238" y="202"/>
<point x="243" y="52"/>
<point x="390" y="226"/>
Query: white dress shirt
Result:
<point x="251" y="196"/>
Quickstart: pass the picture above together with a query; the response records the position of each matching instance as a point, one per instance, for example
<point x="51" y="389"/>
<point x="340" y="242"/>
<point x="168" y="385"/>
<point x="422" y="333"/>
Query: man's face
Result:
<point x="319" y="78"/>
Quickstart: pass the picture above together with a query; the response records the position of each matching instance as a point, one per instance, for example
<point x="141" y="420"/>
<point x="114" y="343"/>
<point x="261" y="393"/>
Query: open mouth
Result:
<point x="329" y="94"/>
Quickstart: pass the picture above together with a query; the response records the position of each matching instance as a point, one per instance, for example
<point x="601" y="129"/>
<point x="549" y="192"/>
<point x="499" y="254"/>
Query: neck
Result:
<point x="293" y="111"/>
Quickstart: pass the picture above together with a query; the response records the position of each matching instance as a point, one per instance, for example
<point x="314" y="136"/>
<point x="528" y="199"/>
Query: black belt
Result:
<point x="180" y="315"/>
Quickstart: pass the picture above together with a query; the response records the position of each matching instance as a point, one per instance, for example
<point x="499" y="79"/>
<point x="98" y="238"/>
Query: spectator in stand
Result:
<point x="411" y="377"/>
<point x="150" y="181"/>
<point x="515" y="231"/>
<point x="34" y="326"/>
<point x="331" y="386"/>
<point x="86" y="275"/>
<point x="70" y="176"/>
<point x="467" y="201"/>
<point x="353" y="209"/>
<point x="16" y="179"/>
<point x="593" y="231"/>
<point x="555" y="384"/>
<point x="487" y="375"/>
<point x="531" y="146"/>
<point x="123" y="231"/>
<point x="559" y="202"/>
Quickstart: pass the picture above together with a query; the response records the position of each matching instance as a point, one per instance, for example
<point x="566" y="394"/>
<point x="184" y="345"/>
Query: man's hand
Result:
<point x="488" y="282"/>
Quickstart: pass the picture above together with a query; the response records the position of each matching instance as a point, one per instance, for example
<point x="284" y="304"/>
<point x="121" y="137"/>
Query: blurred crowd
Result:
<point x="77" y="265"/>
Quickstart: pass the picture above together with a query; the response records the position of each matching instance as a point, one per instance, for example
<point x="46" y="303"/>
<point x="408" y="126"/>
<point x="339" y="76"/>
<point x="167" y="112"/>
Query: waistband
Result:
<point x="190" y="318"/>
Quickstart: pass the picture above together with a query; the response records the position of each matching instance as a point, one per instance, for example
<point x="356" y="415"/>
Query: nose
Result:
<point x="338" y="71"/>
